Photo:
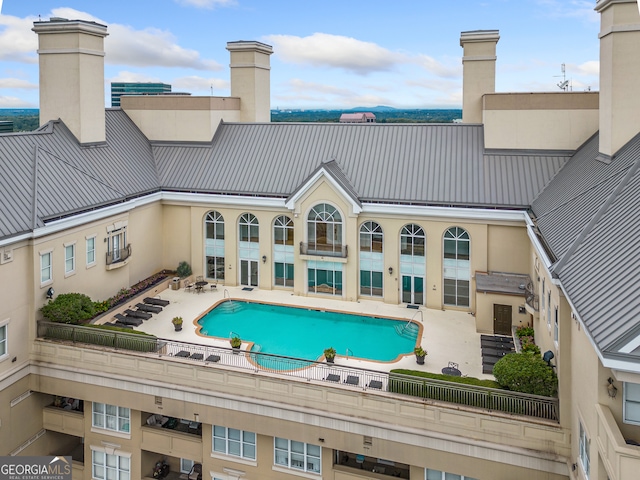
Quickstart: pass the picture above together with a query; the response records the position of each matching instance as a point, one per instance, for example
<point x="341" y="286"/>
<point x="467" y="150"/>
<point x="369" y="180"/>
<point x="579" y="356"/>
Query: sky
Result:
<point x="327" y="54"/>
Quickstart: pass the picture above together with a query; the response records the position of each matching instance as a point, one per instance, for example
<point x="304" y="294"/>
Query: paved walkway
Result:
<point x="448" y="336"/>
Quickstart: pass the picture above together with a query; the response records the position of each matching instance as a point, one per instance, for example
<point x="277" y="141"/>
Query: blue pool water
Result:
<point x="304" y="333"/>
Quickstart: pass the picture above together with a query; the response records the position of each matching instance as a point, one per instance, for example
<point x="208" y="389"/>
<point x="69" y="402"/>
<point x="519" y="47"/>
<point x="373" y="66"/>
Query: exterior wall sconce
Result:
<point x="390" y="270"/>
<point x="612" y="390"/>
<point x="264" y="259"/>
<point x="50" y="293"/>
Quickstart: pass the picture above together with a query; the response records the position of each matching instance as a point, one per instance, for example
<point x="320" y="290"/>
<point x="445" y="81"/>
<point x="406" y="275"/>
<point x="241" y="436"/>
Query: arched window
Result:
<point x="324" y="230"/>
<point x="214" y="245"/>
<point x="412" y="263"/>
<point x="248" y="249"/>
<point x="456" y="267"/>
<point x="371" y="260"/>
<point x="283" y="256"/>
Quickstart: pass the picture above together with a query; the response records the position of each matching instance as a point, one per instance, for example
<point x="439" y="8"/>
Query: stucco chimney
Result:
<point x="251" y="79"/>
<point x="71" y="57"/>
<point x="619" y="74"/>
<point x="478" y="71"/>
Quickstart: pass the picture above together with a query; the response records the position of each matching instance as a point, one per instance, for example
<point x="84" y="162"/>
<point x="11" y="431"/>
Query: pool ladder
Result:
<point x="227" y="294"/>
<point x="346" y="354"/>
<point x="400" y="330"/>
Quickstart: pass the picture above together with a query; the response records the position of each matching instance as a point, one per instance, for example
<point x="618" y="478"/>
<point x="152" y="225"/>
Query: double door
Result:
<point x="413" y="289"/>
<point x="249" y="273"/>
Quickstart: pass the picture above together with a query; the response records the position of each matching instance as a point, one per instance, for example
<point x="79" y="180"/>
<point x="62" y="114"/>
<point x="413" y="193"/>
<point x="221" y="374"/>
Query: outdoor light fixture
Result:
<point x="264" y="259"/>
<point x="612" y="390"/>
<point x="390" y="270"/>
<point x="50" y="293"/>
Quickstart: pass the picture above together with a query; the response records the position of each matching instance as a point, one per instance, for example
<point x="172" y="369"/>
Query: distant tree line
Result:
<point x="22" y="123"/>
<point x="387" y="116"/>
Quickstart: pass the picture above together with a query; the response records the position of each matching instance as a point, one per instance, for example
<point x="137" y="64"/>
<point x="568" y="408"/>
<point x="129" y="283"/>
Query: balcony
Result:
<point x="63" y="421"/>
<point x="120" y="256"/>
<point x="620" y="460"/>
<point x="532" y="301"/>
<point x="316" y="249"/>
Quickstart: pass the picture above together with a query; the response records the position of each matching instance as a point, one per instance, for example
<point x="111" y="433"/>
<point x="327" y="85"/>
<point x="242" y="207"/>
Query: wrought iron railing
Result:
<point x="120" y="255"/>
<point x="324" y="250"/>
<point x="531" y="298"/>
<point x="372" y="380"/>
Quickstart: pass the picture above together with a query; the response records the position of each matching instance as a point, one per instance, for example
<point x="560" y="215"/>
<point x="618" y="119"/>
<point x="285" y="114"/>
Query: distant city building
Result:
<point x="136" y="88"/>
<point x="359" y="117"/>
<point x="6" y="126"/>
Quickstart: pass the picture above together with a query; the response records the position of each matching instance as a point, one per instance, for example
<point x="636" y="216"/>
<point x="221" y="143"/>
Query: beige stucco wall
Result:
<point x="484" y="310"/>
<point x="557" y="121"/>
<point x="180" y="118"/>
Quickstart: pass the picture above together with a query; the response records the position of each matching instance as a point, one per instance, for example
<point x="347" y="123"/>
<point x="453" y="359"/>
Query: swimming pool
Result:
<point x="305" y="333"/>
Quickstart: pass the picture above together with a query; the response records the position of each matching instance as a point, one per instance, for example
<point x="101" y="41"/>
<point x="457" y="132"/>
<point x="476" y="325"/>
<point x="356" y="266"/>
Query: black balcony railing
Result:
<point x="324" y="249"/>
<point x="329" y="373"/>
<point x="121" y="255"/>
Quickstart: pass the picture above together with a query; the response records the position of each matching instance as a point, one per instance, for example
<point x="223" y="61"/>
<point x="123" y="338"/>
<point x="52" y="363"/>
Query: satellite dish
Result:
<point x="563" y="85"/>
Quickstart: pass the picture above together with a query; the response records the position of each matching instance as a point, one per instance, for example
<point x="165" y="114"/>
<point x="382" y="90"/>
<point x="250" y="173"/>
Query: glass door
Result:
<point x="249" y="273"/>
<point x="412" y="289"/>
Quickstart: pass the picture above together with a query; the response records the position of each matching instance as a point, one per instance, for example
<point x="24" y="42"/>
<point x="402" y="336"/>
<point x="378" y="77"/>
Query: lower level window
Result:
<point x="110" y="467"/>
<point x="284" y="274"/>
<point x="110" y="417"/>
<point x="297" y="455"/>
<point x="438" y="475"/>
<point x="583" y="451"/>
<point x="325" y="277"/>
<point x="370" y="283"/>
<point x="631" y="400"/>
<point x="238" y="443"/>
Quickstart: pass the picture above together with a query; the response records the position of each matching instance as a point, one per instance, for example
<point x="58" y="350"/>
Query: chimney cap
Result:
<point x="249" y="45"/>
<point x="479" y="36"/>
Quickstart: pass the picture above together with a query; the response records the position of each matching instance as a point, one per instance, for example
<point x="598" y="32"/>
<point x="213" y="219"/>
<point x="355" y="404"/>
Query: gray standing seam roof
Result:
<point x="437" y="164"/>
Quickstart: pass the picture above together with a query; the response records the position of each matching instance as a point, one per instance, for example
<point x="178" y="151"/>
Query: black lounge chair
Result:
<point x="183" y="354"/>
<point x="148" y="308"/>
<point x="375" y="384"/>
<point x="332" y="377"/>
<point x="156" y="301"/>
<point x="352" y="380"/>
<point x="118" y="324"/>
<point x="196" y="356"/>
<point x="213" y="358"/>
<point x="138" y="314"/>
<point x="126" y="320"/>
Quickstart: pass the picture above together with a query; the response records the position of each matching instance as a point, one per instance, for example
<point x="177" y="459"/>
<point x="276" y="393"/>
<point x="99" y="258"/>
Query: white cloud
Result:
<point x="195" y="83"/>
<point x="437" y="68"/>
<point x="206" y="3"/>
<point x="335" y="51"/>
<point x="298" y="85"/>
<point x="17" y="41"/>
<point x="126" y="76"/>
<point x="591" y="68"/>
<point x="581" y="9"/>
<point x="17" y="83"/>
<point x="15" y="102"/>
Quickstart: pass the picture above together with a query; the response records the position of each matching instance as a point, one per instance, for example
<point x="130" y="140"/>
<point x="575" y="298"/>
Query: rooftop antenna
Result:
<point x="212" y="89"/>
<point x="564" y="84"/>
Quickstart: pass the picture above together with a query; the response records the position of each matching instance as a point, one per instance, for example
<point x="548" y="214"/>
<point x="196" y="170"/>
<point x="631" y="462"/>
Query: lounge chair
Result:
<point x="156" y="301"/>
<point x="196" y="356"/>
<point x="148" y="308"/>
<point x="194" y="474"/>
<point x="138" y="314"/>
<point x="188" y="286"/>
<point x="213" y="358"/>
<point x="352" y="380"/>
<point x="183" y="354"/>
<point x="128" y="320"/>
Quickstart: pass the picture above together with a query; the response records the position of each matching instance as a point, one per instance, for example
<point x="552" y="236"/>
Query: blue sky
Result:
<point x="327" y="54"/>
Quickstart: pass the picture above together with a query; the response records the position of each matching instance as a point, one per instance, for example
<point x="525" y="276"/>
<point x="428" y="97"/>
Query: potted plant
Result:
<point x="177" y="323"/>
<point x="235" y="343"/>
<point x="329" y="354"/>
<point x="420" y="354"/>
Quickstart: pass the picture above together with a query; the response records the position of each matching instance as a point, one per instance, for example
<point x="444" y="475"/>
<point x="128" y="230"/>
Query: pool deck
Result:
<point x="448" y="336"/>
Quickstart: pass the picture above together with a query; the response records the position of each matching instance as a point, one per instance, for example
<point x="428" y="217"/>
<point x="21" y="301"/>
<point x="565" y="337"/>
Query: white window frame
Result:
<point x="445" y="475"/>
<point x="4" y="340"/>
<point x="631" y="397"/>
<point x="121" y="414"/>
<point x="49" y="280"/>
<point x="556" y="327"/>
<point x="240" y="441"/>
<point x="91" y="238"/>
<point x="549" y="310"/>
<point x="584" y="445"/>
<point x="101" y="459"/>
<point x="289" y="453"/>
<point x="69" y="260"/>
<point x="186" y="465"/>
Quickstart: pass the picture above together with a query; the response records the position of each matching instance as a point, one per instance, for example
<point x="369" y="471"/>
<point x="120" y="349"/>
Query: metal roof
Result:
<point x="600" y="271"/>
<point x="438" y="164"/>
<point x="48" y="174"/>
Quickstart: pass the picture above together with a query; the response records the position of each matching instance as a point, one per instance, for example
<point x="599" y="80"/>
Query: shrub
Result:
<point x="525" y="332"/>
<point x="526" y="373"/>
<point x="531" y="348"/>
<point x="183" y="270"/>
<point x="73" y="308"/>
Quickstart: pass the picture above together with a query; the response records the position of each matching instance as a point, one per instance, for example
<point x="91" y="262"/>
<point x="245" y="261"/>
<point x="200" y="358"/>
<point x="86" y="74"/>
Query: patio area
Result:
<point x="448" y="336"/>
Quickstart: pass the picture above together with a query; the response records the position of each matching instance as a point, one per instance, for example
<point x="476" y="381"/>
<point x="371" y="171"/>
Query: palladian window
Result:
<point x="283" y="255"/>
<point x="214" y="245"/>
<point x="456" y="267"/>
<point x="324" y="232"/>
<point x="371" y="260"/>
<point x="248" y="249"/>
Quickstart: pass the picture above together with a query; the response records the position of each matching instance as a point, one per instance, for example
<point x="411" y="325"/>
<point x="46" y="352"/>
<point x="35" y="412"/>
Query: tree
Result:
<point x="526" y="373"/>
